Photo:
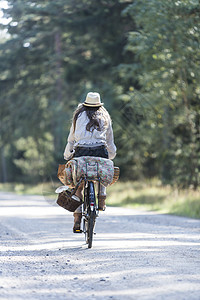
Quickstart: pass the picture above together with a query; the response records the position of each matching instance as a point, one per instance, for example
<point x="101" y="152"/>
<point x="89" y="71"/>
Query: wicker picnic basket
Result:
<point x="66" y="201"/>
<point x="60" y="174"/>
<point x="116" y="175"/>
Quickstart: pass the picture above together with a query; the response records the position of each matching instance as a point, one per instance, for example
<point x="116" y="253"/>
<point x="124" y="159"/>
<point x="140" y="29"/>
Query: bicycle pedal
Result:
<point x="77" y="231"/>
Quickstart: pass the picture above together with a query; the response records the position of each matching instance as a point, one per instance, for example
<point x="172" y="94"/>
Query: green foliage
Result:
<point x="166" y="49"/>
<point x="142" y="56"/>
<point x="53" y="56"/>
<point x="35" y="157"/>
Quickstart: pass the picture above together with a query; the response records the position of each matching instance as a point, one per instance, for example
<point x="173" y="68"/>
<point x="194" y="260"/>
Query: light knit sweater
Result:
<point x="82" y="137"/>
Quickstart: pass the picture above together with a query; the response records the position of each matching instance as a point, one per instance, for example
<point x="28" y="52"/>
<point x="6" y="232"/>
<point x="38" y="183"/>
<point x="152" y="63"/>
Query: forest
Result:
<point x="143" y="57"/>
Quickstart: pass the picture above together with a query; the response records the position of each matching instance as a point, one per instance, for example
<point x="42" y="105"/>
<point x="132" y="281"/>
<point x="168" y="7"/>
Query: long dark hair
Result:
<point x="94" y="115"/>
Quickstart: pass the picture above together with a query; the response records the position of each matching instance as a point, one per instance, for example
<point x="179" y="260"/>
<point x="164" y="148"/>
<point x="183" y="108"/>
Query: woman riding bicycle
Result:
<point x="91" y="134"/>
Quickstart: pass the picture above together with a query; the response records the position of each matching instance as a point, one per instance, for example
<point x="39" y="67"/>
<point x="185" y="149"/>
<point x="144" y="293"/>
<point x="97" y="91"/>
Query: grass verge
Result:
<point x="43" y="189"/>
<point x="148" y="195"/>
<point x="155" y="197"/>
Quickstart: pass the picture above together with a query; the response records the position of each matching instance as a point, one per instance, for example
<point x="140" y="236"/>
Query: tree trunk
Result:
<point x="166" y="168"/>
<point x="3" y="166"/>
<point x="58" y="96"/>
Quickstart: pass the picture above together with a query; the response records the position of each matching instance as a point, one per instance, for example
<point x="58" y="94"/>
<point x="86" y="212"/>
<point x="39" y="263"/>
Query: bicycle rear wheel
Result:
<point x="89" y="220"/>
<point x="91" y="223"/>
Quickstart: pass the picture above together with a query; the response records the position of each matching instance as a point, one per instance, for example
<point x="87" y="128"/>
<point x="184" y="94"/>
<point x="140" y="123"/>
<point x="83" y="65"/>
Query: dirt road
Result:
<point x="135" y="255"/>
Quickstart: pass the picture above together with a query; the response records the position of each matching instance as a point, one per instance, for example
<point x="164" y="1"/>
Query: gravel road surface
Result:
<point x="135" y="255"/>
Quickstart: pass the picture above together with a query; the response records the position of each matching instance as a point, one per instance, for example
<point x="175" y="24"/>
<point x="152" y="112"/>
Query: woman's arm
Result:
<point x="69" y="151"/>
<point x="110" y="142"/>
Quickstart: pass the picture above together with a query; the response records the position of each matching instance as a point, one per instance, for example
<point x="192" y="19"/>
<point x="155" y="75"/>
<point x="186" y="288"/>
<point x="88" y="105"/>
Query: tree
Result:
<point x="56" y="52"/>
<point x="166" y="49"/>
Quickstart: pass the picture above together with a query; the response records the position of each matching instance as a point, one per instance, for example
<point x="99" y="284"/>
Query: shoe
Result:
<point x="77" y="223"/>
<point x="77" y="228"/>
<point x="101" y="203"/>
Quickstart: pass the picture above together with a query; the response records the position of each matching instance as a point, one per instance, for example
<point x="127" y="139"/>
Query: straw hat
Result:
<point x="93" y="100"/>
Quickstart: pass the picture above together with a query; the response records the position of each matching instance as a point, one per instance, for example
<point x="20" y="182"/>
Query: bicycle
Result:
<point x="69" y="201"/>
<point x="90" y="205"/>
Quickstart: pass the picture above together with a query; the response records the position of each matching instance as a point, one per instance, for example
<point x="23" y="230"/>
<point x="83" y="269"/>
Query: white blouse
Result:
<point x="82" y="137"/>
